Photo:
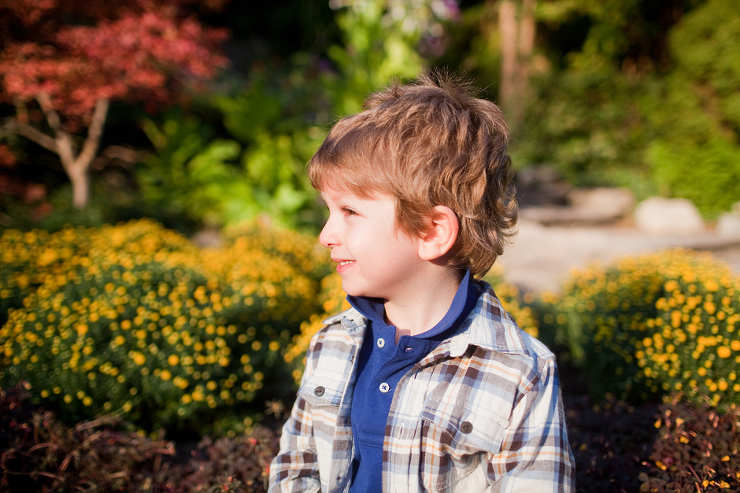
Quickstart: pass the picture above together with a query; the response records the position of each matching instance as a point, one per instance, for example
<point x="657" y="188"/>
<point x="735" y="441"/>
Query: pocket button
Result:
<point x="319" y="391"/>
<point x="466" y="427"/>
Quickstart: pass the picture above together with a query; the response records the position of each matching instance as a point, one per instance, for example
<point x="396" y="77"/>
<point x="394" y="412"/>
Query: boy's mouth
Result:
<point x="343" y="264"/>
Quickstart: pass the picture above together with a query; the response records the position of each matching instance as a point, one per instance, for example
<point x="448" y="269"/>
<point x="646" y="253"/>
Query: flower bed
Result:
<point x="134" y="320"/>
<point x="654" y="324"/>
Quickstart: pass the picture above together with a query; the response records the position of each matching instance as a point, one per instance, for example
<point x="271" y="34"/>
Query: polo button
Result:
<point x="381" y="342"/>
<point x="385" y="388"/>
<point x="466" y="427"/>
<point x="319" y="391"/>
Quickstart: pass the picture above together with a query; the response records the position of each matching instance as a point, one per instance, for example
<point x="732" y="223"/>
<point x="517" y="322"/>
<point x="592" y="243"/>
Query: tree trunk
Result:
<point x="517" y="28"/>
<point x="508" y="30"/>
<point x="77" y="166"/>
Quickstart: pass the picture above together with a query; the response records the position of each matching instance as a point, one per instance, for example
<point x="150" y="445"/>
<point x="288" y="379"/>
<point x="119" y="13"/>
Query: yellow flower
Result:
<point x="138" y="358"/>
<point x="173" y="359"/>
<point x="724" y="352"/>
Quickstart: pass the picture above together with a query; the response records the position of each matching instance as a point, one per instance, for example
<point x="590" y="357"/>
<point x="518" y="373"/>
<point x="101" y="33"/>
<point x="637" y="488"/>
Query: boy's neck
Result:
<point x="416" y="312"/>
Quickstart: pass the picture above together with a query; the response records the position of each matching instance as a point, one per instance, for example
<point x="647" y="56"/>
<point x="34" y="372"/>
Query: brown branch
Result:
<point x="31" y="133"/>
<point x="65" y="148"/>
<point x="52" y="117"/>
<point x="94" y="133"/>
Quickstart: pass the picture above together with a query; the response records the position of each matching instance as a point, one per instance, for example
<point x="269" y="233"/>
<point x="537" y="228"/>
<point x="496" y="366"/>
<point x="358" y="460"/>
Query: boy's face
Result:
<point x="375" y="258"/>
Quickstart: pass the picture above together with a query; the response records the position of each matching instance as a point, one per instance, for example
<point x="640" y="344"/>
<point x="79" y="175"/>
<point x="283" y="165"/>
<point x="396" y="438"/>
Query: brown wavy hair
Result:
<point x="429" y="143"/>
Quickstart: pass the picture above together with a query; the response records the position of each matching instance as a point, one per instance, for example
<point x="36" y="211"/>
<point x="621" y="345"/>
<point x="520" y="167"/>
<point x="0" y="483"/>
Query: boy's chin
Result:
<point x="353" y="290"/>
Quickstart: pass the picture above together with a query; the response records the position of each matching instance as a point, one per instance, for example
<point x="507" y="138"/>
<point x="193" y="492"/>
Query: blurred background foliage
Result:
<point x="620" y="93"/>
<point x="631" y="93"/>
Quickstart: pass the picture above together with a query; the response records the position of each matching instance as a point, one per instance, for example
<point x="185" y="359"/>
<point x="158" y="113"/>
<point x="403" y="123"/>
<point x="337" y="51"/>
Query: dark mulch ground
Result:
<point x="610" y="441"/>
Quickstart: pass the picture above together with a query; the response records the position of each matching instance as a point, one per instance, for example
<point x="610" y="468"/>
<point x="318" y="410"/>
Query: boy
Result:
<point x="426" y="383"/>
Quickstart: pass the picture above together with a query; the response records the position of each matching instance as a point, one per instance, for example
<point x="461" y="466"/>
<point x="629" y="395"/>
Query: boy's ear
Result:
<point x="441" y="234"/>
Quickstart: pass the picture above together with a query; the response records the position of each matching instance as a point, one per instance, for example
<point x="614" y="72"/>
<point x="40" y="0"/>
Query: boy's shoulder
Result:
<point x="341" y="329"/>
<point x="491" y="327"/>
<point x="348" y="318"/>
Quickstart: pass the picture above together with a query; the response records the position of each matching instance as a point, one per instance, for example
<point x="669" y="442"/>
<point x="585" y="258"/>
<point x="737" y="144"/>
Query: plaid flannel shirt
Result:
<point x="481" y="412"/>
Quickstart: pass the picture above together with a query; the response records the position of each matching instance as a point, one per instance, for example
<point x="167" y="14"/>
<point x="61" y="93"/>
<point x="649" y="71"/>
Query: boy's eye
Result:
<point x="348" y="212"/>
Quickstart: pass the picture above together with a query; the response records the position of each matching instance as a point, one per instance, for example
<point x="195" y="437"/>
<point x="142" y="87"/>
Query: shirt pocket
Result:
<point x="322" y="389"/>
<point x="455" y="439"/>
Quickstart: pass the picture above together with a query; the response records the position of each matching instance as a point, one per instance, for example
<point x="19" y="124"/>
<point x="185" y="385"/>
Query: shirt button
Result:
<point x="466" y="427"/>
<point x="381" y="342"/>
<point x="385" y="388"/>
<point x="319" y="391"/>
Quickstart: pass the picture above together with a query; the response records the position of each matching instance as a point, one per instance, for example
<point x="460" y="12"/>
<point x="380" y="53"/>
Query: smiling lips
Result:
<point x="342" y="264"/>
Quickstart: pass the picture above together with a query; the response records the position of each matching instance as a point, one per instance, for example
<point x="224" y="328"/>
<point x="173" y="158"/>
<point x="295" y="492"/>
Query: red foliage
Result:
<point x="78" y="52"/>
<point x="7" y="158"/>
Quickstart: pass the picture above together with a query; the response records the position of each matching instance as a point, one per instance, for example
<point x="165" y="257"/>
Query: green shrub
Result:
<point x="651" y="324"/>
<point x="135" y="320"/>
<point x="695" y="118"/>
<point x="588" y="148"/>
<point x="706" y="173"/>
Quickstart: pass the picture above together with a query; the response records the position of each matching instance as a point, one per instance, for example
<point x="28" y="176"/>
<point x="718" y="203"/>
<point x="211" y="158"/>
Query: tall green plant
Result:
<point x="380" y="43"/>
<point x="280" y="126"/>
<point x="696" y="154"/>
<point x="188" y="173"/>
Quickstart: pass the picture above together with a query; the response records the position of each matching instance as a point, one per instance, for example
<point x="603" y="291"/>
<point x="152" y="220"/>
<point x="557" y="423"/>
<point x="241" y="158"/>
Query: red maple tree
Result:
<point x="63" y="61"/>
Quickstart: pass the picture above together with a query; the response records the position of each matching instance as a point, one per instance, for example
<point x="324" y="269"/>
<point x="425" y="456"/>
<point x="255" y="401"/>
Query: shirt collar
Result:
<point x="462" y="304"/>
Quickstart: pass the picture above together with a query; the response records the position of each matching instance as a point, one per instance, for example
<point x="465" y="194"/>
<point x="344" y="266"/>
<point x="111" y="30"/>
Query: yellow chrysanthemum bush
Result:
<point x="135" y="320"/>
<point x="28" y="259"/>
<point x="654" y="324"/>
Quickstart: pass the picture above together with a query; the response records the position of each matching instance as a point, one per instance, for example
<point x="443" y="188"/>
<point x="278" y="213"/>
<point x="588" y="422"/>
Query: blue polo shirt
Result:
<point x="382" y="363"/>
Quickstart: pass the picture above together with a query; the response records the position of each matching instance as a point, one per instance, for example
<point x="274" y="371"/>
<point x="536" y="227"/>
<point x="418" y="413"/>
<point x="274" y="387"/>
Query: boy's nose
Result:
<point x="328" y="236"/>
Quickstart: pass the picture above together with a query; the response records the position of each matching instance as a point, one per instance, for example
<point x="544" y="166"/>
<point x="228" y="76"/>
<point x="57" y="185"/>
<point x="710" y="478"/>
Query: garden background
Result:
<point x="159" y="270"/>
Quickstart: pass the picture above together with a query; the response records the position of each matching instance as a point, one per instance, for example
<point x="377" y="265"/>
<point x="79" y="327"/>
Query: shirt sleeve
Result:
<point x="296" y="467"/>
<point x="535" y="453"/>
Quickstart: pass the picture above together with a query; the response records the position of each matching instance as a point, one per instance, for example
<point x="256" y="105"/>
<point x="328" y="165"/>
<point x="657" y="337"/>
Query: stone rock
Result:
<point x="615" y="202"/>
<point x="566" y="216"/>
<point x="541" y="185"/>
<point x="588" y="207"/>
<point x="728" y="226"/>
<point x="207" y="238"/>
<point x="673" y="217"/>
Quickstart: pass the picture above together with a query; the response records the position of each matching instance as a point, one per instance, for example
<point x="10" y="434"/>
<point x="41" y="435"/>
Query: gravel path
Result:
<point x="540" y="257"/>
